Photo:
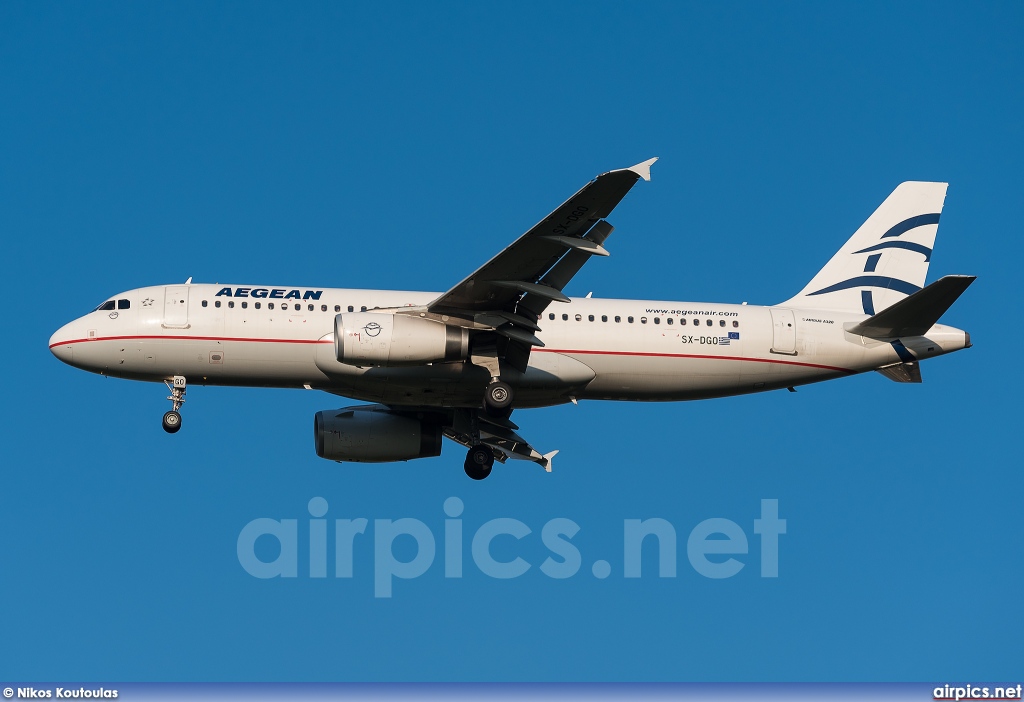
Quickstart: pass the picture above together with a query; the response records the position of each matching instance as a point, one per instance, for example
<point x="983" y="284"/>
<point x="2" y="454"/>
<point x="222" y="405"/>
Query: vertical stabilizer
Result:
<point x="885" y="260"/>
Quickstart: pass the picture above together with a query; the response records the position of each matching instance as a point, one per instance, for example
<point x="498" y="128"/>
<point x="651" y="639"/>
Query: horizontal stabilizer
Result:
<point x="915" y="314"/>
<point x="909" y="372"/>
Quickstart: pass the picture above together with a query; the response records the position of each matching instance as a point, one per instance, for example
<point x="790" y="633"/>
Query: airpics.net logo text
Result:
<point x="716" y="548"/>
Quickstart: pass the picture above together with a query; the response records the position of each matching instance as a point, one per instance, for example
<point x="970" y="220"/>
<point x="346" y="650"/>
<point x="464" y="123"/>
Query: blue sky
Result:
<point x="399" y="145"/>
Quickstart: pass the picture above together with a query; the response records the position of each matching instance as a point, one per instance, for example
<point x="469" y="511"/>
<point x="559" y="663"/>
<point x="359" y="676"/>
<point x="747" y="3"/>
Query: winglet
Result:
<point x="547" y="460"/>
<point x="643" y="169"/>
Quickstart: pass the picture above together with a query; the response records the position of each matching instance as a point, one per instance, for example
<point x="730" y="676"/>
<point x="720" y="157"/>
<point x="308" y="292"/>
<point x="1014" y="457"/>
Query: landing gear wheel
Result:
<point x="172" y="422"/>
<point x="498" y="398"/>
<point x="479" y="462"/>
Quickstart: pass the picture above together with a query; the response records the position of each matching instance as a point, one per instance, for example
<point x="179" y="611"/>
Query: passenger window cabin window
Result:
<point x="231" y="304"/>
<point x="618" y="318"/>
<point x="311" y="308"/>
<point x="256" y="305"/>
<point x="643" y="320"/>
<point x="735" y="324"/>
<point x="323" y="308"/>
<point x="270" y="305"/>
<point x="669" y="320"/>
<point x="551" y="315"/>
<point x="604" y="318"/>
<point x="696" y="322"/>
<point x="629" y="319"/>
<point x="657" y="320"/>
<point x="350" y="309"/>
<point x="579" y="318"/>
<point x="216" y="303"/>
<point x="245" y="305"/>
<point x="682" y="322"/>
<point x="565" y="318"/>
<point x="205" y="303"/>
<point x="721" y="322"/>
<point x="710" y="322"/>
<point x="123" y="304"/>
<point x="363" y="308"/>
<point x="590" y="317"/>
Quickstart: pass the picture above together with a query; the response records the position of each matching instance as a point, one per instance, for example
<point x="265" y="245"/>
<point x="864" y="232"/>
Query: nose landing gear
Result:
<point x="172" y="419"/>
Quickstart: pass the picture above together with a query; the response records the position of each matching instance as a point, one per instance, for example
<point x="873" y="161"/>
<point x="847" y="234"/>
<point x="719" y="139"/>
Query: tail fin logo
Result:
<point x="879" y="281"/>
<point x="886" y="259"/>
<point x="912" y="223"/>
<point x="907" y="245"/>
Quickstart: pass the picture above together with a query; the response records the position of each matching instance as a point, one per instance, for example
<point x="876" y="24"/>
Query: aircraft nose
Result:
<point x="59" y="346"/>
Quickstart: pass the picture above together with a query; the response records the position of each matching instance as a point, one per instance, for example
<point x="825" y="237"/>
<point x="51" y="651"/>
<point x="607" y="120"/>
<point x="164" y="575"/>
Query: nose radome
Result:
<point x="59" y="348"/>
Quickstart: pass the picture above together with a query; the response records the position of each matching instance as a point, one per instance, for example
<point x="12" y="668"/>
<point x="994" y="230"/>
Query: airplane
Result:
<point x="506" y="337"/>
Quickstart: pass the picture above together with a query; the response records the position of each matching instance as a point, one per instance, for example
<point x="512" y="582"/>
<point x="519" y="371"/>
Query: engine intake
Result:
<point x="382" y="339"/>
<point x="374" y="434"/>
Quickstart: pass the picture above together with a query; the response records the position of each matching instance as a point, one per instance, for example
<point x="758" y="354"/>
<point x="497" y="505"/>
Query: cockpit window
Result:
<point x="108" y="305"/>
<point x="123" y="304"/>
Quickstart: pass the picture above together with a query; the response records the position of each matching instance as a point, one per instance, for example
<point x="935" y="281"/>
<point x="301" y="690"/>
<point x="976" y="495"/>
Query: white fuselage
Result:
<point x="593" y="348"/>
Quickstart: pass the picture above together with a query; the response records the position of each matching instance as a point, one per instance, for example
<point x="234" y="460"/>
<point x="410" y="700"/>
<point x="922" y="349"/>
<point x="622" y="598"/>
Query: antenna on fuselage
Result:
<point x="189" y="281"/>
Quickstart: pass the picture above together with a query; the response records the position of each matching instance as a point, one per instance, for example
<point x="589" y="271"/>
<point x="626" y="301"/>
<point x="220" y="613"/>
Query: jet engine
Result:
<point x="374" y="434"/>
<point x="382" y="339"/>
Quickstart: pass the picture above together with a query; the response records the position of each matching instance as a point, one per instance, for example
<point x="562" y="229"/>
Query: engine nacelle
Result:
<point x="374" y="434"/>
<point x="382" y="339"/>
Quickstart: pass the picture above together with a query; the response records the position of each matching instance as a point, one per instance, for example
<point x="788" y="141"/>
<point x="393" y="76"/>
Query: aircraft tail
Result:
<point x="915" y="314"/>
<point x="885" y="260"/>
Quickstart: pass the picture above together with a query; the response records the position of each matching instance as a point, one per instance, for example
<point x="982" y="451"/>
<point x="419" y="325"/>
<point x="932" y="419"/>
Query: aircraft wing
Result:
<point x="499" y="434"/>
<point x="508" y="293"/>
<point x="520" y="268"/>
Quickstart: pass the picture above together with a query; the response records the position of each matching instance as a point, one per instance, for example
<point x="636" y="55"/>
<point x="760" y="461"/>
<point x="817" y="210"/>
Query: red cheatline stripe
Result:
<point x="193" y="338"/>
<point x="567" y="351"/>
<point x="687" y="355"/>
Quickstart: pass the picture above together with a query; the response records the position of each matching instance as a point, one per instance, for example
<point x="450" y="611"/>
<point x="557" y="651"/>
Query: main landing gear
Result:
<point x="497" y="404"/>
<point x="172" y="419"/>
<point x="498" y="399"/>
<point x="479" y="461"/>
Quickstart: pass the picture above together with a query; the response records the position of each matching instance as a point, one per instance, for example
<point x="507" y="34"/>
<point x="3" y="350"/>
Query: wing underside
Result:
<point x="502" y="300"/>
